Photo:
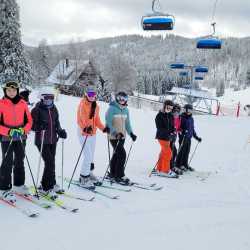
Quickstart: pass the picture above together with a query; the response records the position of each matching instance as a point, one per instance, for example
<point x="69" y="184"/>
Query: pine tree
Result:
<point x="12" y="59"/>
<point x="248" y="78"/>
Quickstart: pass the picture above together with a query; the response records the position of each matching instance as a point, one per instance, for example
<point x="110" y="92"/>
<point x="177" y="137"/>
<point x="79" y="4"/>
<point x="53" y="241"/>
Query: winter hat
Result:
<point x="46" y="91"/>
<point x="167" y="103"/>
<point x="188" y="106"/>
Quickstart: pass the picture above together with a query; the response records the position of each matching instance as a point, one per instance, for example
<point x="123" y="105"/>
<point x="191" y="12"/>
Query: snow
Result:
<point x="186" y="214"/>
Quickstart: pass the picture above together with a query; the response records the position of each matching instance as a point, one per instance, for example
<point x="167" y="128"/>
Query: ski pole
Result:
<point x="151" y="172"/>
<point x="40" y="157"/>
<point x="32" y="176"/>
<point x="83" y="145"/>
<point x="62" y="162"/>
<point x="104" y="176"/>
<point x="193" y="153"/>
<point x="128" y="155"/>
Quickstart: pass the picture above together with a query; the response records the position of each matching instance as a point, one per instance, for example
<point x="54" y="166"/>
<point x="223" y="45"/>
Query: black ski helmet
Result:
<point x="121" y="95"/>
<point x="177" y="108"/>
<point x="9" y="83"/>
<point x="188" y="106"/>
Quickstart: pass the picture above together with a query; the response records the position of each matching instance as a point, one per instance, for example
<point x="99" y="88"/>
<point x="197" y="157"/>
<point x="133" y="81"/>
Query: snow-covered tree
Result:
<point x="12" y="58"/>
<point x="248" y="78"/>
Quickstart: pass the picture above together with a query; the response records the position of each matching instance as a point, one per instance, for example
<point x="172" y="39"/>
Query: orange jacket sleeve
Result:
<point x="3" y="130"/>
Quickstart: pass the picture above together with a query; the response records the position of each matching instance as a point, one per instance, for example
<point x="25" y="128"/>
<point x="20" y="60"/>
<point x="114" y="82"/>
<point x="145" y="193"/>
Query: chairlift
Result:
<point x="157" y="20"/>
<point x="177" y="66"/>
<point x="210" y="41"/>
<point x="199" y="78"/>
<point x="183" y="73"/>
<point x="201" y="69"/>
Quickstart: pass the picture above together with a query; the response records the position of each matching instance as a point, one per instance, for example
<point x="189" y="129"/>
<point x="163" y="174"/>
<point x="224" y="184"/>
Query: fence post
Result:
<point x="238" y="110"/>
<point x="218" y="109"/>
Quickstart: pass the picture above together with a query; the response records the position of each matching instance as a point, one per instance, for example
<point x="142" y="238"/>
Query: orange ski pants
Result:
<point x="164" y="157"/>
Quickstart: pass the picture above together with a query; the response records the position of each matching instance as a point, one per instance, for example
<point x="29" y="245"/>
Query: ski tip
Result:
<point x="34" y="215"/>
<point x="75" y="210"/>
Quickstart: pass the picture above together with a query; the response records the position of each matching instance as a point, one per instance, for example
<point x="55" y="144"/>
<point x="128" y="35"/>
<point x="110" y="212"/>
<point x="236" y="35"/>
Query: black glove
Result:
<point x="133" y="136"/>
<point x="172" y="137"/>
<point x="62" y="133"/>
<point x="106" y="130"/>
<point x="198" y="139"/>
<point x="88" y="130"/>
<point x="119" y="136"/>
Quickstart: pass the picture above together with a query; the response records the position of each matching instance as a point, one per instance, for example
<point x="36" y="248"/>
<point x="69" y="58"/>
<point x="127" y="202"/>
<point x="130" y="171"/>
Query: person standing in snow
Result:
<point x="15" y="124"/>
<point x="88" y="120"/>
<point x="118" y="120"/>
<point x="165" y="134"/>
<point x="177" y="123"/>
<point x="47" y="129"/>
<point x="185" y="137"/>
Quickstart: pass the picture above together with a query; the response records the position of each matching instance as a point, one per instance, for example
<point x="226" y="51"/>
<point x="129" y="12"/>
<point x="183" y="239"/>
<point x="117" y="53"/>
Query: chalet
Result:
<point x="71" y="77"/>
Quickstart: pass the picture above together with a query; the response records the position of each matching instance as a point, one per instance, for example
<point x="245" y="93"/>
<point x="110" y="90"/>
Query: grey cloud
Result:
<point x="62" y="20"/>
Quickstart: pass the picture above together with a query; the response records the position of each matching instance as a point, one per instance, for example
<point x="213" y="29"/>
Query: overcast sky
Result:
<point x="60" y="21"/>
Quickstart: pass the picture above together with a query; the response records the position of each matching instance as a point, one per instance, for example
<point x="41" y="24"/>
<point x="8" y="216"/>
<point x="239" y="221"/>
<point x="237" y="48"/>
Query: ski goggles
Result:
<point x="13" y="85"/>
<point x="48" y="97"/>
<point x="91" y="94"/>
<point x="189" y="110"/>
<point x="121" y="98"/>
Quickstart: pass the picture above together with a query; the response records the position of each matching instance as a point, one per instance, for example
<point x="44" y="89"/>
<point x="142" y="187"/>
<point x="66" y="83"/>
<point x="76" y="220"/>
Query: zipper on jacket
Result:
<point x="50" y="126"/>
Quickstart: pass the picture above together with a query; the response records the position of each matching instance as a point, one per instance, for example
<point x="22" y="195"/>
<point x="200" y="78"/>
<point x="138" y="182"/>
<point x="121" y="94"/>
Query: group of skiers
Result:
<point x="16" y="121"/>
<point x="171" y="124"/>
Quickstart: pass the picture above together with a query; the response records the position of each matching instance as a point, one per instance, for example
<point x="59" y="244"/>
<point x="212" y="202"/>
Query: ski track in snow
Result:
<point x="187" y="214"/>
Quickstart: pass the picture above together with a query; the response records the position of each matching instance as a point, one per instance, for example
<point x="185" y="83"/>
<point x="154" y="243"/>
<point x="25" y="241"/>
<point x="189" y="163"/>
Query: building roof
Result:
<point x="67" y="73"/>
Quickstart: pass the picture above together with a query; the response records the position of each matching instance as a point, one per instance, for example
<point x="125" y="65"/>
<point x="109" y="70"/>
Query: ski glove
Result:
<point x="62" y="134"/>
<point x="106" y="130"/>
<point x="119" y="136"/>
<point x="88" y="130"/>
<point x="133" y="136"/>
<point x="16" y="133"/>
<point x="172" y="137"/>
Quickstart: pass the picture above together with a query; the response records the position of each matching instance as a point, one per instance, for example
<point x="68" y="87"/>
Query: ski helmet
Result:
<point x="177" y="108"/>
<point x="121" y="97"/>
<point x="188" y="107"/>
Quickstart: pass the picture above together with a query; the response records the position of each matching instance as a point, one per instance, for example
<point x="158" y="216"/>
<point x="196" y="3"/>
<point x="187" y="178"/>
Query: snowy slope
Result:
<point x="186" y="214"/>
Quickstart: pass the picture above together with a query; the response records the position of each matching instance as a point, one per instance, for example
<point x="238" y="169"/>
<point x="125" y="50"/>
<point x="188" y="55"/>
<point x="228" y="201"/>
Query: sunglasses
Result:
<point x="91" y="94"/>
<point x="48" y="97"/>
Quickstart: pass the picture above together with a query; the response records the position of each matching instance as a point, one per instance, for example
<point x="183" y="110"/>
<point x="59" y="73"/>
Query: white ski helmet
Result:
<point x="46" y="91"/>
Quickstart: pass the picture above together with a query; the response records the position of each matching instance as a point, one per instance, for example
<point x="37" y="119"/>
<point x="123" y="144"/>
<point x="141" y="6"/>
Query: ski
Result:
<point x="145" y="187"/>
<point x="23" y="210"/>
<point x="34" y="200"/>
<point x="113" y="197"/>
<point x="59" y="203"/>
<point x="110" y="186"/>
<point x="152" y="186"/>
<point x="77" y="197"/>
<point x="56" y="201"/>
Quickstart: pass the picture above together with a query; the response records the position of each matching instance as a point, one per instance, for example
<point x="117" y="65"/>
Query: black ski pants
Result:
<point x="12" y="156"/>
<point x="182" y="157"/>
<point x="118" y="158"/>
<point x="174" y="154"/>
<point x="49" y="175"/>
